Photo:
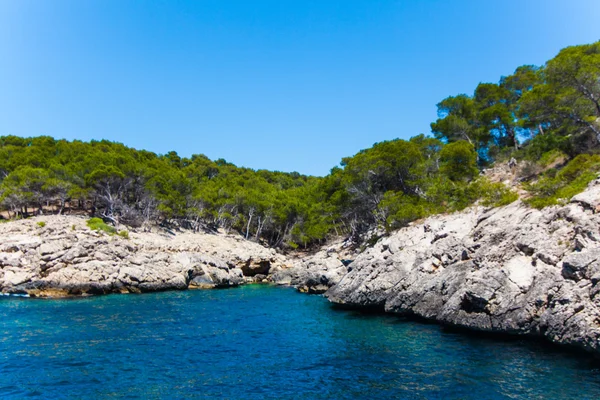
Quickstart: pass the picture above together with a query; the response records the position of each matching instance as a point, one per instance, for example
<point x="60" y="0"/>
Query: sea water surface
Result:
<point x="261" y="342"/>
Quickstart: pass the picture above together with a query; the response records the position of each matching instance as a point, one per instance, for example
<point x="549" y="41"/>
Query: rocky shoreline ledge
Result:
<point x="511" y="269"/>
<point x="59" y="256"/>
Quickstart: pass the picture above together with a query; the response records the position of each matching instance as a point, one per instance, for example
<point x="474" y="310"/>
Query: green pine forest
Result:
<point x="545" y="117"/>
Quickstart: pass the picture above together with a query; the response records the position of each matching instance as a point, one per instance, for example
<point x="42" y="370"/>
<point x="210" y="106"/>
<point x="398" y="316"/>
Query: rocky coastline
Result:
<point x="59" y="256"/>
<point x="511" y="269"/>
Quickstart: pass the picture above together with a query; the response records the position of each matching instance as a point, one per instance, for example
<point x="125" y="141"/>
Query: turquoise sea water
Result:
<point x="258" y="342"/>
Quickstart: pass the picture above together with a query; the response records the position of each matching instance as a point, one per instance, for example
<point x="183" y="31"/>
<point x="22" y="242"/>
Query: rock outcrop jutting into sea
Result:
<point x="511" y="269"/>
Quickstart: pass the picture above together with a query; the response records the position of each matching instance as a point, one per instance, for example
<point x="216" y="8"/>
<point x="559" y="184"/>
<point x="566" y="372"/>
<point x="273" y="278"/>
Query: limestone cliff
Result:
<point x="512" y="269"/>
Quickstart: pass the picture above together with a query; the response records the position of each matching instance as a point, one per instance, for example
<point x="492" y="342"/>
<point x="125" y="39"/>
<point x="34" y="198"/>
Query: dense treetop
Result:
<point x="535" y="114"/>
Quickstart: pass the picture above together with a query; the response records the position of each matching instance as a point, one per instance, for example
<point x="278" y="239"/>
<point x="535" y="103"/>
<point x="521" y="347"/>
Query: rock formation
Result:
<point x="59" y="255"/>
<point x="314" y="273"/>
<point x="511" y="269"/>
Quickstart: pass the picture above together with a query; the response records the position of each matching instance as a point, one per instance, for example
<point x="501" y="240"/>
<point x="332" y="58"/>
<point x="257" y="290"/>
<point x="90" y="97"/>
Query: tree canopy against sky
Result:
<point x="281" y="85"/>
<point x="537" y="113"/>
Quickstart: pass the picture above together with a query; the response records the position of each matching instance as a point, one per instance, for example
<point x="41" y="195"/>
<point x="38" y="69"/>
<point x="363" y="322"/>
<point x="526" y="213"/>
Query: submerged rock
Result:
<point x="512" y="269"/>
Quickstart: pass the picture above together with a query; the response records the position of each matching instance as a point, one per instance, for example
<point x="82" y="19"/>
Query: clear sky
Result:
<point x="276" y="84"/>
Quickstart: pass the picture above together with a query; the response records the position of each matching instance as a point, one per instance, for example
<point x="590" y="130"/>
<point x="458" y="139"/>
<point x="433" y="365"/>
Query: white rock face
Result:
<point x="66" y="258"/>
<point x="520" y="270"/>
<point x="511" y="269"/>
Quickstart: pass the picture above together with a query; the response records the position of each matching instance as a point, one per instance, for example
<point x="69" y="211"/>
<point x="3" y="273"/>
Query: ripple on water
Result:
<point x="263" y="342"/>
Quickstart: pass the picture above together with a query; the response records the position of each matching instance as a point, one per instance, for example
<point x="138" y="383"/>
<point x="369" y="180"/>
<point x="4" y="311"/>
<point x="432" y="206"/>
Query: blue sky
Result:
<point x="279" y="84"/>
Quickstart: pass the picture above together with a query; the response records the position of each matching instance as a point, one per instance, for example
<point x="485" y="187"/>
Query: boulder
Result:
<point x="314" y="273"/>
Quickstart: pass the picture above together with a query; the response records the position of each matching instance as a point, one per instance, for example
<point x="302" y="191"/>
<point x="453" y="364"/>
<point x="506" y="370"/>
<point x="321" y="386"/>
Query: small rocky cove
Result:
<point x="510" y="269"/>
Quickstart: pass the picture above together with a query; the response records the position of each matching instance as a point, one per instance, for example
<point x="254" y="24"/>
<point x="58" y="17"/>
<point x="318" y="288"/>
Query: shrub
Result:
<point x="399" y="209"/>
<point x="494" y="194"/>
<point x="443" y="195"/>
<point x="528" y="170"/>
<point x="544" y="144"/>
<point x="292" y="244"/>
<point x="552" y="157"/>
<point x="96" y="224"/>
<point x="124" y="234"/>
<point x="459" y="161"/>
<point x="41" y="224"/>
<point x="556" y="187"/>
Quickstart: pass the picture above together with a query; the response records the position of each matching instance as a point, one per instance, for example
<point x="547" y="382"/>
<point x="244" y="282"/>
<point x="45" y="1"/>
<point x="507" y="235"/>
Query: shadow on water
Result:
<point x="533" y="343"/>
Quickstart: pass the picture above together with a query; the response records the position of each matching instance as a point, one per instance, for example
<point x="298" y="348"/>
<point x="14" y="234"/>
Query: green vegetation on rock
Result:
<point x="558" y="186"/>
<point x="96" y="224"/>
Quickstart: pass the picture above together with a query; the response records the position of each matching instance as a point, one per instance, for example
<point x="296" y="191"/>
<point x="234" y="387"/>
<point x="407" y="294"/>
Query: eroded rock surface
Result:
<point x="315" y="273"/>
<point x="511" y="269"/>
<point x="65" y="257"/>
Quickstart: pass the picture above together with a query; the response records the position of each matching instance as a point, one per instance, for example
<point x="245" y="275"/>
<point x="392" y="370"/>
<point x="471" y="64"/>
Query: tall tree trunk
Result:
<point x="250" y="215"/>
